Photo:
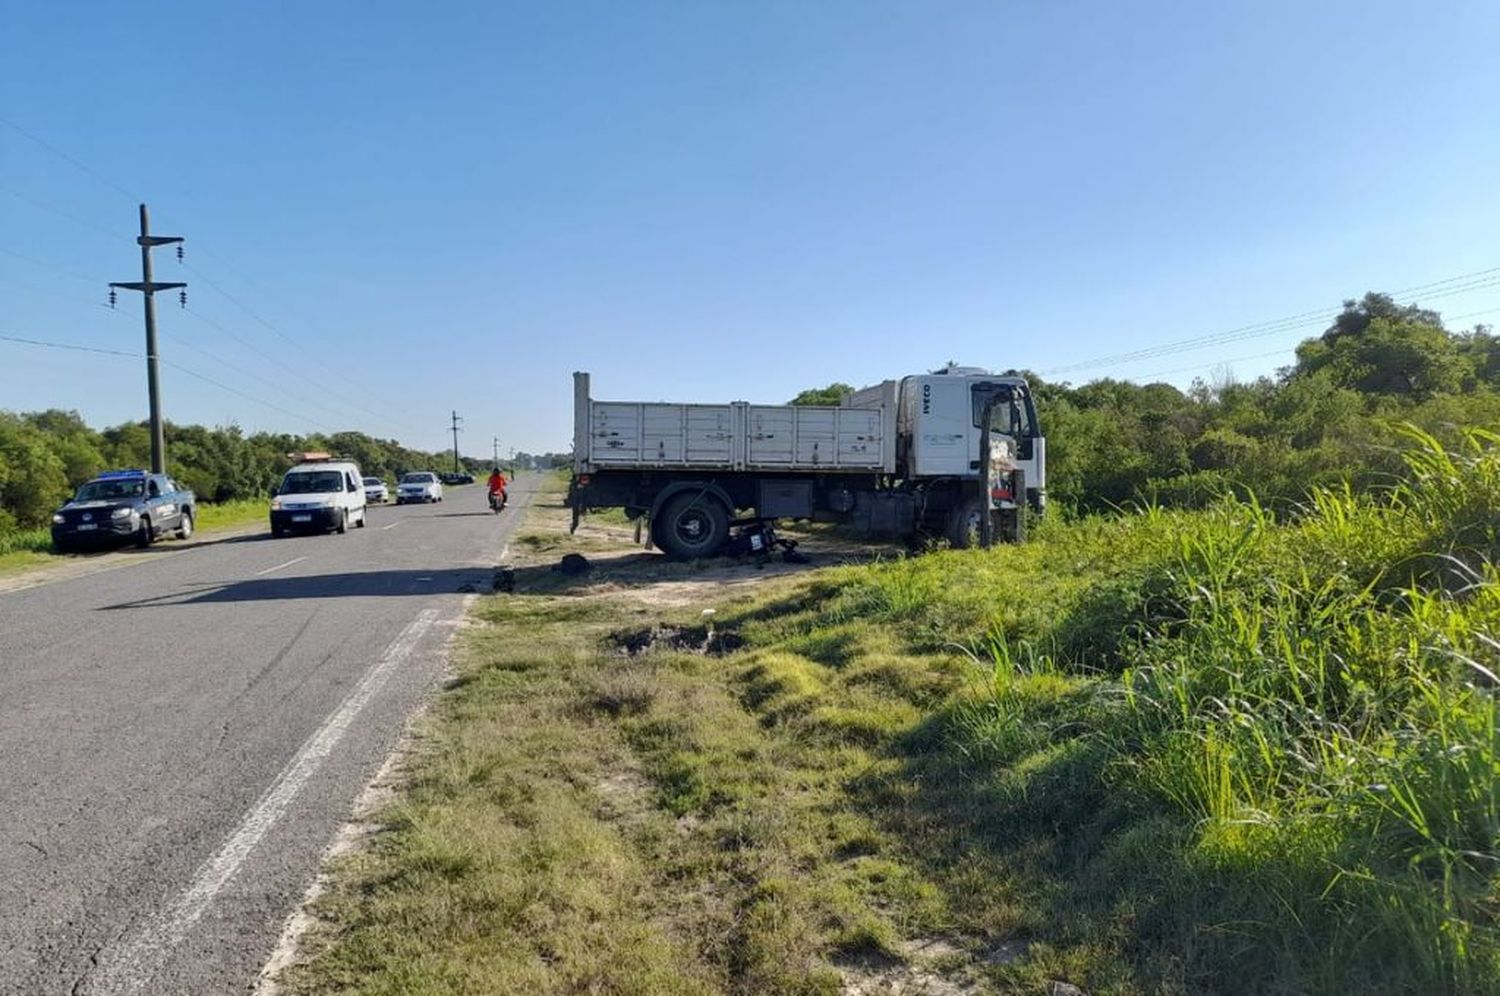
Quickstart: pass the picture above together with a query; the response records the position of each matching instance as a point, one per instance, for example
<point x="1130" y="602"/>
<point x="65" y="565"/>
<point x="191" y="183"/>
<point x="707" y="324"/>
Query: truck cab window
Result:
<point x="1003" y="418"/>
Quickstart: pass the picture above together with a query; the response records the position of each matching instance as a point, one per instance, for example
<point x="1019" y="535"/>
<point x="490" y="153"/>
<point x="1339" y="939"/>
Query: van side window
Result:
<point x="349" y="482"/>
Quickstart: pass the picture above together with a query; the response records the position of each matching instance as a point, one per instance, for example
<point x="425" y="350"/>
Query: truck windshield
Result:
<point x="312" y="482"/>
<point x="109" y="490"/>
<point x="1010" y="416"/>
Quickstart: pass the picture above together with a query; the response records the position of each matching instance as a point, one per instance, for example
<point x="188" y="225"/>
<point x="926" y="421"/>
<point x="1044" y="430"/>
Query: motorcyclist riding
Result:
<point x="497" y="488"/>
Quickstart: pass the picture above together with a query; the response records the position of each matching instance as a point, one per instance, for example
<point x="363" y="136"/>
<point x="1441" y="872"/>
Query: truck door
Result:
<point x="944" y="442"/>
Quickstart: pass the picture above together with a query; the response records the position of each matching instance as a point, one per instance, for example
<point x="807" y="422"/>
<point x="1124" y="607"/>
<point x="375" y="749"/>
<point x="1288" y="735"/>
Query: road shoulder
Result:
<point x="611" y="795"/>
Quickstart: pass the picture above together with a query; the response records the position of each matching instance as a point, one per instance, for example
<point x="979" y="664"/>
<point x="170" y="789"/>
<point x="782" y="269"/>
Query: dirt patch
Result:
<point x="693" y="640"/>
<point x="882" y="975"/>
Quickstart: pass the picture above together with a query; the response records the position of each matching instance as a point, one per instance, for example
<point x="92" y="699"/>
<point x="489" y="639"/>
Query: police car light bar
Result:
<point x="110" y="475"/>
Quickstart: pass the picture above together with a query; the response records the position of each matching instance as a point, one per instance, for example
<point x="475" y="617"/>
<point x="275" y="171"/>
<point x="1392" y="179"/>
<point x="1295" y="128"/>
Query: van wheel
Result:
<point x="691" y="525"/>
<point x="144" y="535"/>
<point x="343" y="526"/>
<point x="363" y="515"/>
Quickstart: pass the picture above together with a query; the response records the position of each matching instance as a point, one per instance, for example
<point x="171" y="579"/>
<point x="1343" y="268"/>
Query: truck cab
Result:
<point x="942" y="422"/>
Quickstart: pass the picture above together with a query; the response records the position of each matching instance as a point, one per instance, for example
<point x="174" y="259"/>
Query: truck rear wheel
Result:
<point x="691" y="525"/>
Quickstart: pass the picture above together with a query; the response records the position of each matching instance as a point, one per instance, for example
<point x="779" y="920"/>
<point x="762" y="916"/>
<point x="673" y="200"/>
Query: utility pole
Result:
<point x="456" y="431"/>
<point x="148" y="289"/>
<point x="496" y="443"/>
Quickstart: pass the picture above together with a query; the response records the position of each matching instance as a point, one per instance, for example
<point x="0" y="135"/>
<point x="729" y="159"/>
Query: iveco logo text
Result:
<point x="926" y="399"/>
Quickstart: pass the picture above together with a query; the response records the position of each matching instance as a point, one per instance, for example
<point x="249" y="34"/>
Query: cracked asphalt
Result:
<point x="180" y="738"/>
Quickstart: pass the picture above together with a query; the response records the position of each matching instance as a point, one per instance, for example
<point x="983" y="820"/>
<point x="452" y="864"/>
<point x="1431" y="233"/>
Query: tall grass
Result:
<point x="25" y="541"/>
<point x="1309" y="702"/>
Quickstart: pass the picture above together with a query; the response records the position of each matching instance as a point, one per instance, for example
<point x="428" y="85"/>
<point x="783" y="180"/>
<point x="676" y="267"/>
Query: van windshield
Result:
<point x="312" y="482"/>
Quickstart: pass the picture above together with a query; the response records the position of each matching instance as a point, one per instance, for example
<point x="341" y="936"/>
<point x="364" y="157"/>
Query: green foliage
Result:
<point x="833" y="394"/>
<point x="1328" y="420"/>
<point x="44" y="456"/>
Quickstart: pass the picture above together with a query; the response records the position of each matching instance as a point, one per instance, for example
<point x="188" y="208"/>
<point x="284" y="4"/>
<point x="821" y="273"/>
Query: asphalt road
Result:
<point x="181" y="737"/>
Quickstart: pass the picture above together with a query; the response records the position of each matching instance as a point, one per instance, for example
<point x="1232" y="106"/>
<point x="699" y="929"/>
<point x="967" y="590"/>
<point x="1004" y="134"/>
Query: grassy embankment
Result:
<point x="1166" y="752"/>
<point x="33" y="547"/>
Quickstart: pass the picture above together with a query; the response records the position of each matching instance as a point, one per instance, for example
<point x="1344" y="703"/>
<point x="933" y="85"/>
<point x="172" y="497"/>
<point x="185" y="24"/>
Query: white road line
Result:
<point x="278" y="567"/>
<point x="130" y="969"/>
<point x="393" y="525"/>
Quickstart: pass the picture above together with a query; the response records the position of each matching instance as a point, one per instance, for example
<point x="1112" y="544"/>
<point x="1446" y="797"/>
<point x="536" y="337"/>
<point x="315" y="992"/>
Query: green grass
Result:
<point x="226" y="515"/>
<point x="25" y="541"/>
<point x="1163" y="752"/>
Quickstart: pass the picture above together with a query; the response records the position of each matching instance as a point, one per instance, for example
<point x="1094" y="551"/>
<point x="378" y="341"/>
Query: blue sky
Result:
<point x="394" y="210"/>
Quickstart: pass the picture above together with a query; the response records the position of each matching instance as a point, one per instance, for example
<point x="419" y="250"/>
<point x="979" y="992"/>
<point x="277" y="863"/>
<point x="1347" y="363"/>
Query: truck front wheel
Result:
<point x="691" y="525"/>
<point x="964" y="524"/>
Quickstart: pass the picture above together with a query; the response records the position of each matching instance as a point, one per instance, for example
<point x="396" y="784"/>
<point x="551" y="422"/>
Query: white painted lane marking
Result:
<point x="132" y="968"/>
<point x="278" y="567"/>
<point x="393" y="525"/>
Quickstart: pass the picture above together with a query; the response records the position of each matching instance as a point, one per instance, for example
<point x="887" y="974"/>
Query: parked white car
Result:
<point x="375" y="491"/>
<point x="422" y="486"/>
<point x="318" y="495"/>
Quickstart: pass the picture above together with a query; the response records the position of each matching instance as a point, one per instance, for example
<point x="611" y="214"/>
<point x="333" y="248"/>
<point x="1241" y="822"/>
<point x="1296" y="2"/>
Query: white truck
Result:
<point x="902" y="458"/>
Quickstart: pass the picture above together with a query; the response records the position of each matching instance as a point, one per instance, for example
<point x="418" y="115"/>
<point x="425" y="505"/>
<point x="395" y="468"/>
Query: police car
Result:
<point x="123" y="505"/>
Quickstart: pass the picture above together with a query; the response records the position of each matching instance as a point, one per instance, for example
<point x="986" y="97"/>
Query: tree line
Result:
<point x="1332" y="417"/>
<point x="44" y="456"/>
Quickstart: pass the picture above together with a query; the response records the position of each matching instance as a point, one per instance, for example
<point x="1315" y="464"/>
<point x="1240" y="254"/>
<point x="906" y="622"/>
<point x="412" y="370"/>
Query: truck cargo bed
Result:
<point x="732" y="437"/>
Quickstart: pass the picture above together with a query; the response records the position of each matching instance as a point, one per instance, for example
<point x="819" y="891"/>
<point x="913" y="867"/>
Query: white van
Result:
<point x="319" y="493"/>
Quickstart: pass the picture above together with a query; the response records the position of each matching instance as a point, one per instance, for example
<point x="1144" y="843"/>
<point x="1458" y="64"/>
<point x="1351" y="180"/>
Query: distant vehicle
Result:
<point x="956" y="453"/>
<point x="452" y="479"/>
<point x="123" y="505"/>
<point x="421" y="486"/>
<point x="319" y="494"/>
<point x="375" y="491"/>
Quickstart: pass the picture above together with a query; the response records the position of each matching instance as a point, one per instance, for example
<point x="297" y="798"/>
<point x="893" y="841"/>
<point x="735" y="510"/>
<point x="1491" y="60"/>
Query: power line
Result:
<point x="68" y="345"/>
<point x="1282" y="352"/>
<point x="1146" y="378"/>
<point x="185" y="344"/>
<point x="1462" y="284"/>
<point x="180" y="341"/>
<point x="74" y="347"/>
<point x="72" y="274"/>
<point x="248" y="397"/>
<point x="299" y="344"/>
<point x="113" y="237"/>
<point x="84" y="167"/>
<point x="288" y="368"/>
<point x="97" y="175"/>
